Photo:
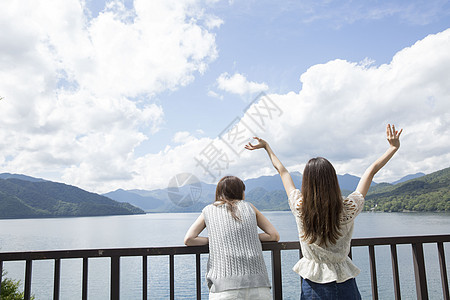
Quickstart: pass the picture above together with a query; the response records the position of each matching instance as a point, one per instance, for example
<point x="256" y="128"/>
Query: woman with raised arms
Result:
<point x="325" y="221"/>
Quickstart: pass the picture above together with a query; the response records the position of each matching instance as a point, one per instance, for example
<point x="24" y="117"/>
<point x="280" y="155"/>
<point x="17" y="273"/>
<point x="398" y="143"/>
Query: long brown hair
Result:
<point x="230" y="189"/>
<point x="322" y="202"/>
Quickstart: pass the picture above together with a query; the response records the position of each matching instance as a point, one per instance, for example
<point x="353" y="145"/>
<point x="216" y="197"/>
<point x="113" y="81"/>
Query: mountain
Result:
<point x="382" y="186"/>
<point x="416" y="192"/>
<point x="23" y="196"/>
<point x="269" y="194"/>
<point x="265" y="192"/>
<point x="35" y="198"/>
<point x="271" y="182"/>
<point x="188" y="198"/>
<point x="348" y="183"/>
<point x="378" y="187"/>
<point x="426" y="193"/>
<point x="20" y="176"/>
<point x="147" y="203"/>
<point x="194" y="198"/>
<point x="409" y="177"/>
<point x="267" y="200"/>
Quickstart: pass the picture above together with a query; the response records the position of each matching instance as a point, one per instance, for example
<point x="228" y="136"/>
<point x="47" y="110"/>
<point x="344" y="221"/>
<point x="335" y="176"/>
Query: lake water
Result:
<point x="153" y="230"/>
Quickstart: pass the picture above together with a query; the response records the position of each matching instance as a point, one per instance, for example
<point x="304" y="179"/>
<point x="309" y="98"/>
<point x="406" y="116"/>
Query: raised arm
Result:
<point x="393" y="137"/>
<point x="286" y="178"/>
<point x="270" y="234"/>
<point x="191" y="238"/>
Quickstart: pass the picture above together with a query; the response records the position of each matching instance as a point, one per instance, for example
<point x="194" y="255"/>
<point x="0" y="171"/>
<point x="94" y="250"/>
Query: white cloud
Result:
<point x="78" y="100"/>
<point x="212" y="22"/>
<point x="78" y="90"/>
<point x="155" y="170"/>
<point x="215" y="95"/>
<point x="238" y="84"/>
<point x="343" y="108"/>
<point x="341" y="113"/>
<point x="182" y="137"/>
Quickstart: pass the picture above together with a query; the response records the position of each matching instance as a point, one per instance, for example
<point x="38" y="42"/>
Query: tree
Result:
<point x="10" y="289"/>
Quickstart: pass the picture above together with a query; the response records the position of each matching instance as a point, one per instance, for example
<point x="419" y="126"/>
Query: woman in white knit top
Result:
<point x="325" y="222"/>
<point x="236" y="268"/>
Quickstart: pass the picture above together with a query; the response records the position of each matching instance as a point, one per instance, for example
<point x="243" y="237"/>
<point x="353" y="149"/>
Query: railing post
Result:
<point x="419" y="271"/>
<point x="57" y="279"/>
<point x="1" y="276"/>
<point x="373" y="272"/>
<point x="144" y="277"/>
<point x="84" y="289"/>
<point x="28" y="271"/>
<point x="198" y="276"/>
<point x="276" y="272"/>
<point x="172" y="276"/>
<point x="395" y="272"/>
<point x="115" y="277"/>
<point x="444" y="280"/>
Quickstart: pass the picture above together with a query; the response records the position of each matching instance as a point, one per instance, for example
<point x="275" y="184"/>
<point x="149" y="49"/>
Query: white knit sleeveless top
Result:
<point x="235" y="253"/>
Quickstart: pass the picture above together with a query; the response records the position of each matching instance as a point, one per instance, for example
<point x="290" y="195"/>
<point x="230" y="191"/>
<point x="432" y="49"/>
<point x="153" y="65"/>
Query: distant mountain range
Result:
<point x="23" y="196"/>
<point x="168" y="199"/>
<point x="27" y="197"/>
<point x="265" y="192"/>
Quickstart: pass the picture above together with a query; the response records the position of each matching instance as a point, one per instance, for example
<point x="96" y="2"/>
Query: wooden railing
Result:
<point x="416" y="243"/>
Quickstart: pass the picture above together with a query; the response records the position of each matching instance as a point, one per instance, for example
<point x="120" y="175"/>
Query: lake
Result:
<point x="152" y="230"/>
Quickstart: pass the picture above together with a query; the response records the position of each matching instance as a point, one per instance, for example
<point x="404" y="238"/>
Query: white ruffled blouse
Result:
<point x="331" y="263"/>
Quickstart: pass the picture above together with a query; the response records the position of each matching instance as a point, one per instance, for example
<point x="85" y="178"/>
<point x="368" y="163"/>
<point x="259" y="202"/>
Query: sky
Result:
<point x="128" y="94"/>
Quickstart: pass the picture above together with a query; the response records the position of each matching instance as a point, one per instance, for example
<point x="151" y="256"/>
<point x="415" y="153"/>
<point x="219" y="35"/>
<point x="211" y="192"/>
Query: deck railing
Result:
<point x="275" y="249"/>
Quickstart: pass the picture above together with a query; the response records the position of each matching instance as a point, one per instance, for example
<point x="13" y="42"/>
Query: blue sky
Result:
<point x="127" y="94"/>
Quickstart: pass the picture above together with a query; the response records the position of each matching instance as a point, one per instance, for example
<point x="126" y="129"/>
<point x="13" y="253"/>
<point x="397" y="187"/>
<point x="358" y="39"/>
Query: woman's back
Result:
<point x="236" y="268"/>
<point x="235" y="252"/>
<point x="327" y="263"/>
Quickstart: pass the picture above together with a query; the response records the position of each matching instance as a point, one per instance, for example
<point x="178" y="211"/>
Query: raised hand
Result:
<point x="285" y="176"/>
<point x="393" y="136"/>
<point x="261" y="144"/>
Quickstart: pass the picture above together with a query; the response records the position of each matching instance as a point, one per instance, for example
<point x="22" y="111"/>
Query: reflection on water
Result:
<point x="153" y="230"/>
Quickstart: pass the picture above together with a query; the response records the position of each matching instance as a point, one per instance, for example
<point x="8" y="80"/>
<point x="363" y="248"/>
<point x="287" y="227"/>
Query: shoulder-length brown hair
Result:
<point x="322" y="202"/>
<point x="230" y="189"/>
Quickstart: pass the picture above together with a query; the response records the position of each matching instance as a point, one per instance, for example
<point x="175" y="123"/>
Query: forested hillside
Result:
<point x="34" y="199"/>
<point x="264" y="200"/>
<point x="427" y="193"/>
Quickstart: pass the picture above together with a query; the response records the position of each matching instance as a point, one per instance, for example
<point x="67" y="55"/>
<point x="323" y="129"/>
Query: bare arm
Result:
<point x="286" y="178"/>
<point x="393" y="138"/>
<point x="191" y="238"/>
<point x="270" y="234"/>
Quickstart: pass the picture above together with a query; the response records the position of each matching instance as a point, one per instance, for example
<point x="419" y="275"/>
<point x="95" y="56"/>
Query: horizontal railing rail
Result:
<point x="115" y="254"/>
